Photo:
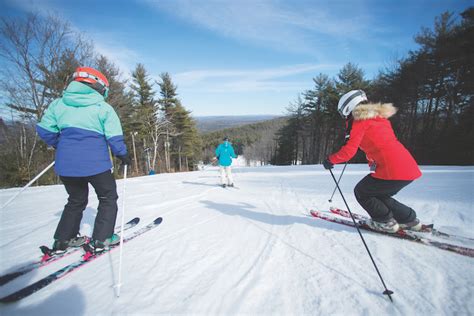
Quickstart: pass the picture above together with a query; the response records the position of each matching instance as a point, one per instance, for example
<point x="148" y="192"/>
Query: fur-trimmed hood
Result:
<point x="373" y="110"/>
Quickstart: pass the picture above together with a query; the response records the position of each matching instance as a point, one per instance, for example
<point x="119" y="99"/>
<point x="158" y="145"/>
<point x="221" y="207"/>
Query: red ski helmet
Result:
<point x="94" y="78"/>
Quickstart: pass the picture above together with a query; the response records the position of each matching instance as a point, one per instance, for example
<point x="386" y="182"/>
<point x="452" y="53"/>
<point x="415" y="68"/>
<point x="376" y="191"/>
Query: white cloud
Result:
<point x="301" y="28"/>
<point x="267" y="79"/>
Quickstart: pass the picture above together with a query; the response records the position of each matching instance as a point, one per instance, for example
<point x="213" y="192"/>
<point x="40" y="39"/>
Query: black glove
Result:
<point x="327" y="164"/>
<point x="126" y="160"/>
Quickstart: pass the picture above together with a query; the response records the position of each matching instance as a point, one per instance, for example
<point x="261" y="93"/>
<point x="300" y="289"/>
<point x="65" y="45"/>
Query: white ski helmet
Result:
<point x="349" y="101"/>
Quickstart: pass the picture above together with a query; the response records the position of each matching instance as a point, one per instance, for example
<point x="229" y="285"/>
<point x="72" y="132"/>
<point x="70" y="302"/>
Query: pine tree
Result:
<point x="321" y="118"/>
<point x="287" y="143"/>
<point x="145" y="120"/>
<point x="168" y="96"/>
<point x="351" y="77"/>
<point x="184" y="145"/>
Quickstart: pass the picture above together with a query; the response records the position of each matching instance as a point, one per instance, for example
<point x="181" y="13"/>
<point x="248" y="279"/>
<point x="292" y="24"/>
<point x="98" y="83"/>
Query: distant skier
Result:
<point x="224" y="154"/>
<point x="81" y="126"/>
<point x="391" y="164"/>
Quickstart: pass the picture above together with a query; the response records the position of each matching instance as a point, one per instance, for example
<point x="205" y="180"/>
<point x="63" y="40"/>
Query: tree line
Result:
<point x="433" y="88"/>
<point x="39" y="57"/>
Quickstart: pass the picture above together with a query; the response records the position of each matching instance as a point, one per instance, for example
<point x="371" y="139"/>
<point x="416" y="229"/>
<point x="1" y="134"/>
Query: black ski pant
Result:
<point x="375" y="196"/>
<point x="78" y="190"/>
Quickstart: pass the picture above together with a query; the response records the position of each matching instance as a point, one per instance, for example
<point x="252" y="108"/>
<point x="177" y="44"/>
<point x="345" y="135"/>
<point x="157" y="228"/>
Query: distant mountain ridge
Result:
<point x="213" y="123"/>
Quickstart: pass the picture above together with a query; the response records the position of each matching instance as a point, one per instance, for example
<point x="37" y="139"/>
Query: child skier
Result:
<point x="81" y="126"/>
<point x="225" y="153"/>
<point x="391" y="164"/>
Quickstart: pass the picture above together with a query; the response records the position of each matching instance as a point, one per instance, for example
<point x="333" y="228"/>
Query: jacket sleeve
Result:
<point x="350" y="148"/>
<point x="113" y="132"/>
<point x="48" y="128"/>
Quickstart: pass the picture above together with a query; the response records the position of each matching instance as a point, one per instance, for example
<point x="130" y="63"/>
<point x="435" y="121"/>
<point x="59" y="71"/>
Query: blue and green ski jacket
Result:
<point x="81" y="126"/>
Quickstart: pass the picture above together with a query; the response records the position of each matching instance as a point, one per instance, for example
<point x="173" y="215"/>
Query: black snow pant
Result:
<point x="78" y="190"/>
<point x="375" y="196"/>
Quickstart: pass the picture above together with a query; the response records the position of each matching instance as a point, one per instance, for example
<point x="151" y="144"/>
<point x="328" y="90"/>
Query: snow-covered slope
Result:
<point x="248" y="250"/>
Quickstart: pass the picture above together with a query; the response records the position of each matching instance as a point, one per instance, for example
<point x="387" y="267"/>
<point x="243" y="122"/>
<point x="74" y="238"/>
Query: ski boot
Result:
<point x="96" y="246"/>
<point x="60" y="246"/>
<point x="414" y="225"/>
<point x="224" y="185"/>
<point x="391" y="226"/>
<point x="231" y="185"/>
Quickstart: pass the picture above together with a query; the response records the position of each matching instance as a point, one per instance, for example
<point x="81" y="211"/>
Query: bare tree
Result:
<point x="38" y="54"/>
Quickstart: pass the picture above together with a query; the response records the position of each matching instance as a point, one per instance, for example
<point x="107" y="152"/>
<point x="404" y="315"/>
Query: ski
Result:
<point x="49" y="257"/>
<point x="229" y="187"/>
<point x="424" y="229"/>
<point x="402" y="234"/>
<point x="35" y="287"/>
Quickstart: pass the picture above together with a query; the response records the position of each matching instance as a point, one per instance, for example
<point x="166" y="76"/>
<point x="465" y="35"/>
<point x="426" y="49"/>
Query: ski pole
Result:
<point x="119" y="283"/>
<point x="26" y="186"/>
<point x="387" y="291"/>
<point x="339" y="180"/>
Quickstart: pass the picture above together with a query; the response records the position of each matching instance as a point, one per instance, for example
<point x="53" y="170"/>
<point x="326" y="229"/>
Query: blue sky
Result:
<point x="245" y="56"/>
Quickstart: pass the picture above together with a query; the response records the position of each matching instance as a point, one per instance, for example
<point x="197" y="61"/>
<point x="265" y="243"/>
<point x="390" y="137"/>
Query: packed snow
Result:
<point x="252" y="249"/>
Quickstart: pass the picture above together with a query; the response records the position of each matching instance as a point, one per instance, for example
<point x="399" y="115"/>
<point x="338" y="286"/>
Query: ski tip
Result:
<point x="4" y="279"/>
<point x="158" y="220"/>
<point x="8" y="299"/>
<point x="136" y="220"/>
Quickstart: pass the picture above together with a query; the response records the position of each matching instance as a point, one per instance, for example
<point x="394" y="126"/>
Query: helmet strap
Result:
<point x="104" y="91"/>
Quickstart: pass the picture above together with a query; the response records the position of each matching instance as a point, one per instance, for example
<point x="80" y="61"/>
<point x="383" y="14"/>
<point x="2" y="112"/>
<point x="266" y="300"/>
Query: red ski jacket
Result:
<point x="372" y="132"/>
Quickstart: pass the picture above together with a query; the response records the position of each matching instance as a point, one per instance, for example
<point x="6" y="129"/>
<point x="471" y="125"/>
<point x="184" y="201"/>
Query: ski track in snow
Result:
<point x="251" y="250"/>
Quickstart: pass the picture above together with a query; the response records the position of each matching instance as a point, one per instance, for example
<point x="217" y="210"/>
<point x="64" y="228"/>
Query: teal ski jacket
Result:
<point x="225" y="153"/>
